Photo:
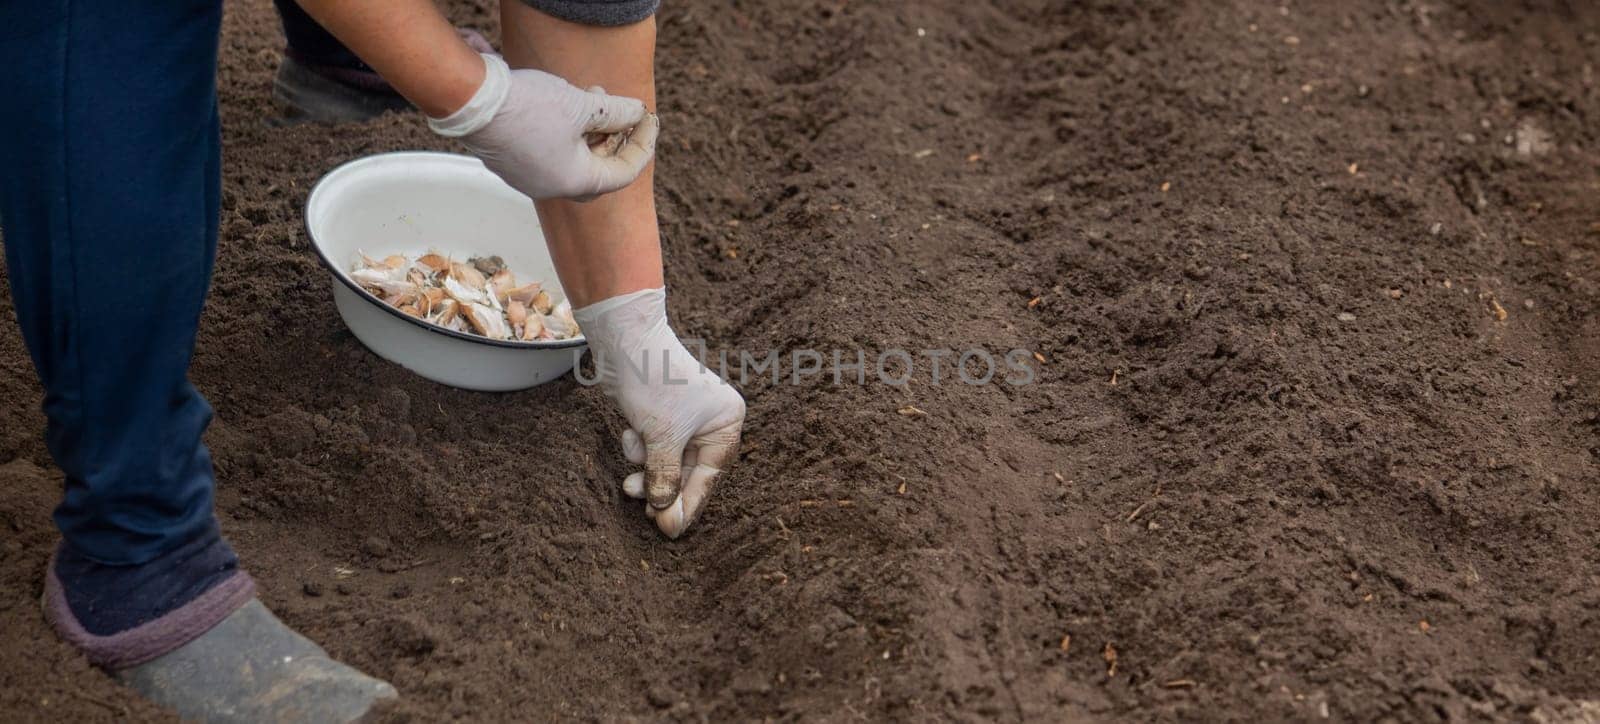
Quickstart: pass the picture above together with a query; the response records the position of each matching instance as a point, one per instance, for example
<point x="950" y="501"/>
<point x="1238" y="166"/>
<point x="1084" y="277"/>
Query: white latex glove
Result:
<point x="684" y="420"/>
<point x="529" y="127"/>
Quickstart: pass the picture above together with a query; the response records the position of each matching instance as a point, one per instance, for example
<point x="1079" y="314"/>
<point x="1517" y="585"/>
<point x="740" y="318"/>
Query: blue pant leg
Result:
<point x="109" y="206"/>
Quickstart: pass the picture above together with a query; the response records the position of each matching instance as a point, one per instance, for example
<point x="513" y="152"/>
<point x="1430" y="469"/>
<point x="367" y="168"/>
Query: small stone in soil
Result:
<point x="375" y="547"/>
<point x="312" y="589"/>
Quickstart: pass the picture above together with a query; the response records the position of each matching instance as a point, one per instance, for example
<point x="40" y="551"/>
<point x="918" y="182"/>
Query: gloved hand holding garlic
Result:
<point x="684" y="421"/>
<point x="550" y="139"/>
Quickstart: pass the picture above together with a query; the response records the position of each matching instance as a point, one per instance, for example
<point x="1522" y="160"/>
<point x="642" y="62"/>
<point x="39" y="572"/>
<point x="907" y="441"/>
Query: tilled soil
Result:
<point x="1315" y="432"/>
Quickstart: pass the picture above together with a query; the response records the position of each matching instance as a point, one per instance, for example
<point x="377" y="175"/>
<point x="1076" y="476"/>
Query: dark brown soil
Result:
<point x="1317" y="428"/>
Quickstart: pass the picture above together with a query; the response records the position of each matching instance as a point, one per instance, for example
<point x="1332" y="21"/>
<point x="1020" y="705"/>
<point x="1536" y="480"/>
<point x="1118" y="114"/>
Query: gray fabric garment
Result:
<point x="597" y="12"/>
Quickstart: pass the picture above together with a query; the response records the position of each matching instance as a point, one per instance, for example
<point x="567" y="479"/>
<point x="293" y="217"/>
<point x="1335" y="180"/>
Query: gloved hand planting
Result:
<point x="534" y="130"/>
<point x="684" y="420"/>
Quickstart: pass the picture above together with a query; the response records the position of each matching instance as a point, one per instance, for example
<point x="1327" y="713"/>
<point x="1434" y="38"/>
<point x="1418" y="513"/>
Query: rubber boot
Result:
<point x="306" y="91"/>
<point x="253" y="668"/>
<point x="307" y="95"/>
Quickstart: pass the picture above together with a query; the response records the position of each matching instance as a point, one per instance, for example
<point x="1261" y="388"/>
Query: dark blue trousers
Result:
<point x="109" y="188"/>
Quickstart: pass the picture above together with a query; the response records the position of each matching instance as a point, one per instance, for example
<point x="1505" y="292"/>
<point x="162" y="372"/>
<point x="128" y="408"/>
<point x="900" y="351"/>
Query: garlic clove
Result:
<point x="447" y="312"/>
<point x="533" y="327"/>
<point x="467" y="276"/>
<point x="560" y="321"/>
<point x="462" y="293"/>
<point x="433" y="264"/>
<point x="487" y="322"/>
<point x="541" y="302"/>
<point x="524" y="293"/>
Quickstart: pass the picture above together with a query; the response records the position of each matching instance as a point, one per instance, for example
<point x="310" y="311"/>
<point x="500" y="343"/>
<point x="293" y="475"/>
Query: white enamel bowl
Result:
<point x="409" y="203"/>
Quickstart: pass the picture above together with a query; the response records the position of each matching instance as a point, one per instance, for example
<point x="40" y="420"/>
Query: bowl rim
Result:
<point x="343" y="278"/>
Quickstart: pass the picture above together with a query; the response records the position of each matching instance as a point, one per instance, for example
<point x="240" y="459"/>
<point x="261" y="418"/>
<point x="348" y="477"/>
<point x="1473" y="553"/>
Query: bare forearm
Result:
<point x="410" y="44"/>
